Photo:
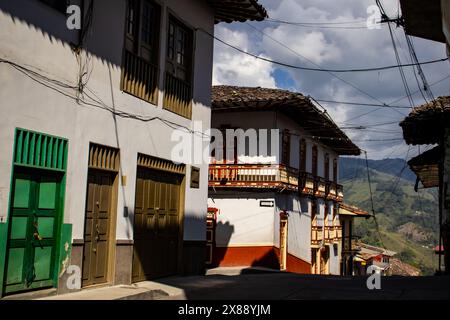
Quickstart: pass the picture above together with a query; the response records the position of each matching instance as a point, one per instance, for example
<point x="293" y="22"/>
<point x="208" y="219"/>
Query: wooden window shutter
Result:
<point x="286" y="147"/>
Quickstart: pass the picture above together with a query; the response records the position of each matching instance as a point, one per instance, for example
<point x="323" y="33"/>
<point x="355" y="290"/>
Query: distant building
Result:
<point x="371" y="255"/>
<point x="279" y="208"/>
<point x="350" y="241"/>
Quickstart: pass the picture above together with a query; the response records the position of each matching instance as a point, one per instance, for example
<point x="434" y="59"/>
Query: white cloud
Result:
<point x="234" y="68"/>
<point x="333" y="49"/>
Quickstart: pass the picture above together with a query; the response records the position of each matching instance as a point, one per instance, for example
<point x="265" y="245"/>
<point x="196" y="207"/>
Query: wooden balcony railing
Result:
<point x="272" y="175"/>
<point x="337" y="233"/>
<point x="139" y="77"/>
<point x="351" y="244"/>
<point x="177" y="96"/>
<point x="316" y="236"/>
<point x="254" y="176"/>
<point x="329" y="234"/>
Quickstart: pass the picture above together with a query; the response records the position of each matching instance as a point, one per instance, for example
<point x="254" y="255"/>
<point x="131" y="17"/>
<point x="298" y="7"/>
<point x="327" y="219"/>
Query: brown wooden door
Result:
<point x="156" y="224"/>
<point x="97" y="225"/>
<point x="283" y="241"/>
<point x="324" y="261"/>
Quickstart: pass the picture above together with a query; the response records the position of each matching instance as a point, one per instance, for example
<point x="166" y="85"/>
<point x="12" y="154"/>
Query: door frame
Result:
<point x="112" y="227"/>
<point x="5" y="227"/>
<point x="114" y="168"/>
<point x="160" y="164"/>
<point x="181" y="207"/>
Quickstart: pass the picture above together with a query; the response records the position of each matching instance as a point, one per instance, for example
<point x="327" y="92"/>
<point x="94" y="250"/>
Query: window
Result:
<point x="335" y="170"/>
<point x="178" y="82"/>
<point x="60" y="5"/>
<point x="141" y="50"/>
<point x="326" y="163"/>
<point x="314" y="212"/>
<point x="302" y="166"/>
<point x="285" y="147"/>
<point x="314" y="161"/>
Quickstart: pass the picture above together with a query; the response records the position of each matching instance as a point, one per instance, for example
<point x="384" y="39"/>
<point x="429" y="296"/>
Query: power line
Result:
<point x="395" y="101"/>
<point x="316" y="23"/>
<point x="284" y="64"/>
<point x="320" y="25"/>
<point x="364" y="104"/>
<point x="329" y="72"/>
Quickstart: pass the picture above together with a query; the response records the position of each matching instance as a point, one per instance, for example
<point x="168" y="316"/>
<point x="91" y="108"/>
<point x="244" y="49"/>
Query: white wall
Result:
<point x="28" y="104"/>
<point x="271" y="120"/>
<point x="242" y="221"/>
<point x="299" y="225"/>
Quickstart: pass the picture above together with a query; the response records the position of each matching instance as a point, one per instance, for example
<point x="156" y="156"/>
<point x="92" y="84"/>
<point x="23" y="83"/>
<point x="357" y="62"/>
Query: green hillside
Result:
<point x="407" y="220"/>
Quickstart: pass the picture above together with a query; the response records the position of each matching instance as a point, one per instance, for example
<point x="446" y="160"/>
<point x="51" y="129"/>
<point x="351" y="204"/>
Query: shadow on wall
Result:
<point x="223" y="232"/>
<point x="229" y="256"/>
<point x="101" y="19"/>
<point x="269" y="260"/>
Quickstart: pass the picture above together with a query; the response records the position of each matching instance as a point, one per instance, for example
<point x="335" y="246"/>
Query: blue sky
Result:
<point x="348" y="44"/>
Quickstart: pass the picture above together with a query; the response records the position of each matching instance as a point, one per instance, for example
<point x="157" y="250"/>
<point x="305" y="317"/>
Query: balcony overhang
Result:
<point x="423" y="19"/>
<point x="352" y="211"/>
<point x="426" y="167"/>
<point x="426" y="123"/>
<point x="237" y="10"/>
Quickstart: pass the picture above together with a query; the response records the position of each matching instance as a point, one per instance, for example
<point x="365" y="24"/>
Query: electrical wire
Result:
<point x="312" y="62"/>
<point x="284" y="64"/>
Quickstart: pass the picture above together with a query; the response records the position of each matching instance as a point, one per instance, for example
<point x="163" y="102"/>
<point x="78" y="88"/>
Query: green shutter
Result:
<point x="40" y="150"/>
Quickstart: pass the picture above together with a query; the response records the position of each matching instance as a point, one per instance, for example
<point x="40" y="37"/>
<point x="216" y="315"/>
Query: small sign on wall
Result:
<point x="195" y="177"/>
<point x="267" y="203"/>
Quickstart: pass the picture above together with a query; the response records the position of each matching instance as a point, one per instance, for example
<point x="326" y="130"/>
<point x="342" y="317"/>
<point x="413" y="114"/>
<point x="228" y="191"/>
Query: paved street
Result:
<point x="241" y="284"/>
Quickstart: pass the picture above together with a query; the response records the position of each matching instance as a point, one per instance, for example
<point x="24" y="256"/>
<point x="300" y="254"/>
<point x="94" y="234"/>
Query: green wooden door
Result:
<point x="33" y="227"/>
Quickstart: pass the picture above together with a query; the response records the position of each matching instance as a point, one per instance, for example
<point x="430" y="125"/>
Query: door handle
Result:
<point x="97" y="237"/>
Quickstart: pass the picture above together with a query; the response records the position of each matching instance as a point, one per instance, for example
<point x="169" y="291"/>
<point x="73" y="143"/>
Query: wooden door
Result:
<point x="210" y="235"/>
<point x="283" y="241"/>
<point x="97" y="227"/>
<point x="156" y="224"/>
<point x="33" y="231"/>
<point x="324" y="261"/>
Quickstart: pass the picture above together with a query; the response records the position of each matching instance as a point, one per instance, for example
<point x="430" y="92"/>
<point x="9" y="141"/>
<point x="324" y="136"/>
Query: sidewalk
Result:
<point x="147" y="290"/>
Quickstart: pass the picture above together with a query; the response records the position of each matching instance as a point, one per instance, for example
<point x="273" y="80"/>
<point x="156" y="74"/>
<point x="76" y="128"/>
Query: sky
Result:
<point x="334" y="35"/>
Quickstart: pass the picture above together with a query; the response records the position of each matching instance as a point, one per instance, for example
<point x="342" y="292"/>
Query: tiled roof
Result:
<point x="292" y="104"/>
<point x="346" y="209"/>
<point x="425" y="123"/>
<point x="238" y="10"/>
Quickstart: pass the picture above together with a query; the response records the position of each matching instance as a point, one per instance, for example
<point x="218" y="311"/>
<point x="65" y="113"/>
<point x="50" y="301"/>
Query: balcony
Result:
<point x="333" y="191"/>
<point x="329" y="234"/>
<point x="252" y="176"/>
<point x="316" y="236"/>
<point x="337" y="234"/>
<point x="319" y="187"/>
<point x="351" y="244"/>
<point x="272" y="176"/>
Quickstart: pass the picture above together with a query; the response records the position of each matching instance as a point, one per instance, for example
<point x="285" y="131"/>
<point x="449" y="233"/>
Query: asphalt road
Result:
<point x="287" y="286"/>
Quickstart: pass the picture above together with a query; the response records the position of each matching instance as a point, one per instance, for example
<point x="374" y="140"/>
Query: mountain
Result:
<point x="407" y="220"/>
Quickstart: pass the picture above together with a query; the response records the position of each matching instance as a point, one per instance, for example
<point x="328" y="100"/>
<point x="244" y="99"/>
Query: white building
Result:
<point x="286" y="198"/>
<point x="86" y="118"/>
